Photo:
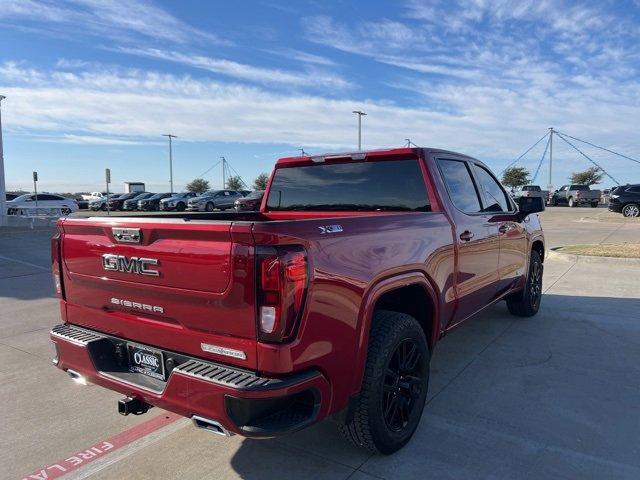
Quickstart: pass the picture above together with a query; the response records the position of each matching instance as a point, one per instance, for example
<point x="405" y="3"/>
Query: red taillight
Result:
<point x="578" y="193"/>
<point x="56" y="265"/>
<point x="282" y="285"/>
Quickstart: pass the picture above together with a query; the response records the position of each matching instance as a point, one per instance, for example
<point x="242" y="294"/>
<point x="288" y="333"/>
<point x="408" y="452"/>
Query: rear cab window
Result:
<point x="377" y="185"/>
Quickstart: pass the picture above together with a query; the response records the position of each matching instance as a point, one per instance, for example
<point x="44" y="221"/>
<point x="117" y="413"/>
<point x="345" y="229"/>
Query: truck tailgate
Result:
<point x="183" y="283"/>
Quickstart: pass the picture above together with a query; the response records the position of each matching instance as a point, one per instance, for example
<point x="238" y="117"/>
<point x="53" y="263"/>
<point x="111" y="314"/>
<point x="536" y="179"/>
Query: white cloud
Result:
<point x="242" y="71"/>
<point x="106" y="18"/>
<point x="491" y="122"/>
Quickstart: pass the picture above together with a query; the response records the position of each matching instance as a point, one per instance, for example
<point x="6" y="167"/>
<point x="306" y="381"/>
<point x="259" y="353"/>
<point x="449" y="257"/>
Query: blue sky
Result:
<point x="93" y="84"/>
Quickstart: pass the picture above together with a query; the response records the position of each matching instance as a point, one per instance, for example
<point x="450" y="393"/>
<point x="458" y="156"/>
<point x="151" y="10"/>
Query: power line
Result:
<point x="209" y="169"/>
<point x="526" y="151"/>
<point x="237" y="174"/>
<point x="601" y="148"/>
<point x="587" y="157"/>
<point x="544" y="154"/>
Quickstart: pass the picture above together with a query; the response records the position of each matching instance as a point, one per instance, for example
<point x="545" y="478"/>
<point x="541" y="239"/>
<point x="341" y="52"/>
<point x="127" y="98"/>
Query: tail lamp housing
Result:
<point x="56" y="265"/>
<point x="282" y="278"/>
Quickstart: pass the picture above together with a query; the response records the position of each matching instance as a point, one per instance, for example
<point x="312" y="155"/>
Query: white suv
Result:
<point x="26" y="204"/>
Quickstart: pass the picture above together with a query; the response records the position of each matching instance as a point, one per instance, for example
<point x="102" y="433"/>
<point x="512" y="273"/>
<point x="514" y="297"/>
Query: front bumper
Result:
<point x="615" y="207"/>
<point x="196" y="208"/>
<point x="241" y="401"/>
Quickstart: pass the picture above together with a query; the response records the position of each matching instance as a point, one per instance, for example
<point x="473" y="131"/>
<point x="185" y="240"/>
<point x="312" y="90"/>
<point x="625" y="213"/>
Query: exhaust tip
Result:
<point x="210" y="425"/>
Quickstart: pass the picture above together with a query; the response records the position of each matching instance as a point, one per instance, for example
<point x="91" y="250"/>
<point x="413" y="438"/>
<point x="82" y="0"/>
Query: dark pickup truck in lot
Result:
<point x="328" y="302"/>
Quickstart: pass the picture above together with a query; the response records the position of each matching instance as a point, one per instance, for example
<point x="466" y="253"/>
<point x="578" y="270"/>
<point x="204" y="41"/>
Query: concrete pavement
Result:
<point x="553" y="396"/>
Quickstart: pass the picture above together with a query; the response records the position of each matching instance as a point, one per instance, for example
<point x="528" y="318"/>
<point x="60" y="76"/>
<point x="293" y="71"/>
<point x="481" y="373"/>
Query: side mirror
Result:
<point x="529" y="205"/>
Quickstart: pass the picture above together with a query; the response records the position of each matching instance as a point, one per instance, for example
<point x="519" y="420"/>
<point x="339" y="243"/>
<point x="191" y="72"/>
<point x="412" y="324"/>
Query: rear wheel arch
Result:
<point x="411" y="294"/>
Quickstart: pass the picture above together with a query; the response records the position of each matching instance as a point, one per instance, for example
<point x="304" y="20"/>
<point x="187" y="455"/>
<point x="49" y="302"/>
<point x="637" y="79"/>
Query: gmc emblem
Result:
<point x="120" y="263"/>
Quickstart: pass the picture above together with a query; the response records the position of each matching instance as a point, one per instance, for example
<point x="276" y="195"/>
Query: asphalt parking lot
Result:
<point x="553" y="396"/>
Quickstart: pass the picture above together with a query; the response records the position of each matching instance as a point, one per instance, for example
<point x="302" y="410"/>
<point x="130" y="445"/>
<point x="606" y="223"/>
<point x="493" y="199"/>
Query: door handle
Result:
<point x="466" y="236"/>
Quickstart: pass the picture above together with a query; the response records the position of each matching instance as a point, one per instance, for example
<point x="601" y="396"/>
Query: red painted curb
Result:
<point x="100" y="449"/>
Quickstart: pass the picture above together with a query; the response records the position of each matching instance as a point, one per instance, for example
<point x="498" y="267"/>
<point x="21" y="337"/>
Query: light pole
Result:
<point x="170" y="137"/>
<point x="3" y="198"/>
<point x="360" y="114"/>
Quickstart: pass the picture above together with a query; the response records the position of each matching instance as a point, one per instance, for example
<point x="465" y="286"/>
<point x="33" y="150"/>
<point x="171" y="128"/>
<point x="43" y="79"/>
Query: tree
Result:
<point x="199" y="185"/>
<point x="234" y="183"/>
<point x="260" y="183"/>
<point x="515" y="176"/>
<point x="590" y="176"/>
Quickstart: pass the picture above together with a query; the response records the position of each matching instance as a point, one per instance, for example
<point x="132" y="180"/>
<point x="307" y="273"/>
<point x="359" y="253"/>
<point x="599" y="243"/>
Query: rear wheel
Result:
<point x="631" y="210"/>
<point x="209" y="207"/>
<point x="387" y="410"/>
<point x="594" y="204"/>
<point x="526" y="302"/>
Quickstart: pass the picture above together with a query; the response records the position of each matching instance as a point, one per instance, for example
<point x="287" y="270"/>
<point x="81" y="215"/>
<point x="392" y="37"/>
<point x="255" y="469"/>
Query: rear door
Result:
<point x="514" y="247"/>
<point x="476" y="237"/>
<point x="170" y="283"/>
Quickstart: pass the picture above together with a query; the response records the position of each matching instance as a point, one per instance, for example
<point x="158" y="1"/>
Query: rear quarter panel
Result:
<point x="347" y="266"/>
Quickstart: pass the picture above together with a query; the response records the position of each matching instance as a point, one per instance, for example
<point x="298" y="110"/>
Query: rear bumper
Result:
<point x="240" y="400"/>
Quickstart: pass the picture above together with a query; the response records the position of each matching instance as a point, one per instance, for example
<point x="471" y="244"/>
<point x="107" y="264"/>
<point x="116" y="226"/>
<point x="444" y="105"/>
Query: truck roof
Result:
<point x="362" y="155"/>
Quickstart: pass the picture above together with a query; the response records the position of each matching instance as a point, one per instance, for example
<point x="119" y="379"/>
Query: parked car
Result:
<point x="153" y="202"/>
<point x="93" y="196"/>
<point x="117" y="203"/>
<point x="576" y="195"/>
<point x="327" y="302"/>
<point x="251" y="202"/>
<point x="626" y="200"/>
<point x="132" y="203"/>
<point x="215" y="199"/>
<point x="178" y="201"/>
<point x="101" y="203"/>
<point x="530" y="191"/>
<point x="29" y="201"/>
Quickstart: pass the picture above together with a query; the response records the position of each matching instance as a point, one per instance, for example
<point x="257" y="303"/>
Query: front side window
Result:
<point x="494" y="197"/>
<point x="393" y="185"/>
<point x="461" y="189"/>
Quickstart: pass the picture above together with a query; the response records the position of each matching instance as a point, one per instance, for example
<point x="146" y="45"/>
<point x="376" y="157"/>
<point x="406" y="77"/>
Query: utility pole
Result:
<point x="550" y="186"/>
<point x="360" y="115"/>
<point x="3" y="197"/>
<point x="302" y="152"/>
<point x="170" y="137"/>
<point x="107" y="179"/>
<point x="35" y="188"/>
<point x="224" y="171"/>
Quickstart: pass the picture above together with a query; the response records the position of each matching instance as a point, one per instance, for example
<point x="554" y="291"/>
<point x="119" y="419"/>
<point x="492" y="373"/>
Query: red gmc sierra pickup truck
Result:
<point x="328" y="302"/>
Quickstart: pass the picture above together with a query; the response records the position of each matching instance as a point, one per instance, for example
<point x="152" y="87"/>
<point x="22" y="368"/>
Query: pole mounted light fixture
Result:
<point x="170" y="137"/>
<point x="360" y="115"/>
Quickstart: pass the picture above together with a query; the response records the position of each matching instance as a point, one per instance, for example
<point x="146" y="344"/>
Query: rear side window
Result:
<point x="635" y="189"/>
<point x="396" y="185"/>
<point x="579" y="187"/>
<point x="494" y="197"/>
<point x="462" y="191"/>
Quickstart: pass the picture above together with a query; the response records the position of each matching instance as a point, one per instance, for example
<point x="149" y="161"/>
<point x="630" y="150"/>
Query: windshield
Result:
<point x="22" y="198"/>
<point x="142" y="196"/>
<point x="256" y="194"/>
<point x="159" y="195"/>
<point x="355" y="186"/>
<point x="579" y="187"/>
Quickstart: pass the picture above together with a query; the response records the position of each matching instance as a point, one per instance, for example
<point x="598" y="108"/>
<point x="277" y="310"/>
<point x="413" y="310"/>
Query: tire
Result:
<point x="103" y="207"/>
<point x="554" y="201"/>
<point x="65" y="211"/>
<point x="594" y="204"/>
<point x="209" y="207"/>
<point x="180" y="207"/>
<point x="391" y="384"/>
<point x="572" y="203"/>
<point x="526" y="302"/>
<point x="631" y="210"/>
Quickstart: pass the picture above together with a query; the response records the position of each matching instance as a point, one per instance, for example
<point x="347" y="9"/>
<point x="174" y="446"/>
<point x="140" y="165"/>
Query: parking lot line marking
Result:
<point x="94" y="452"/>
<point x="2" y="257"/>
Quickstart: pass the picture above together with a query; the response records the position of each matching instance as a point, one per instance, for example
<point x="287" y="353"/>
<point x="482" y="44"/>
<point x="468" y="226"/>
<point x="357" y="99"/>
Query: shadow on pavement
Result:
<point x="552" y="396"/>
